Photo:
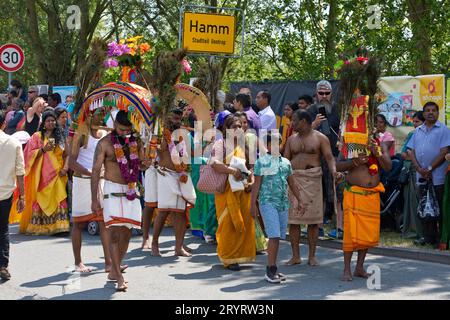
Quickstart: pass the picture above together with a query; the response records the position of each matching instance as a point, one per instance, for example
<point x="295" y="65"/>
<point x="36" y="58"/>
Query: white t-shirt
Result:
<point x="268" y="119"/>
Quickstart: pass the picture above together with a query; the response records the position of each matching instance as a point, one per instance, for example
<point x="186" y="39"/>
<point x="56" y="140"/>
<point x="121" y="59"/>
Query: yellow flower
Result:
<point x="122" y="41"/>
<point x="134" y="39"/>
<point x="132" y="51"/>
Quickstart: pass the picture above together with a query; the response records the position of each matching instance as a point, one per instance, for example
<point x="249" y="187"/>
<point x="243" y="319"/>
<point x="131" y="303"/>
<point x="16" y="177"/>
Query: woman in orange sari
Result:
<point x="236" y="231"/>
<point x="45" y="180"/>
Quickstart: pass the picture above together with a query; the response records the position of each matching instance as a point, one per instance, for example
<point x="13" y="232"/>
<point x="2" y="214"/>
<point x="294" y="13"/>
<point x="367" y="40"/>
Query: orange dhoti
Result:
<point x="361" y="217"/>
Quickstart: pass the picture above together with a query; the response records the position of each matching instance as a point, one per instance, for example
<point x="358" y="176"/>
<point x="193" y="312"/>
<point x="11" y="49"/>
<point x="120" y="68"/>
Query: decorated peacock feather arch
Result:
<point x="148" y="107"/>
<point x="358" y="101"/>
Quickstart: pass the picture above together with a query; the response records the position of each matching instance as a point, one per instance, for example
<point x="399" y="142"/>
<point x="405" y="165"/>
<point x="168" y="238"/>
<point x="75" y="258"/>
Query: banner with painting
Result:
<point x="67" y="93"/>
<point x="400" y="97"/>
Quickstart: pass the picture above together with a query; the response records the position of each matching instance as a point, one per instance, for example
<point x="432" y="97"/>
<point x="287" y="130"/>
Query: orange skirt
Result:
<point x="361" y="217"/>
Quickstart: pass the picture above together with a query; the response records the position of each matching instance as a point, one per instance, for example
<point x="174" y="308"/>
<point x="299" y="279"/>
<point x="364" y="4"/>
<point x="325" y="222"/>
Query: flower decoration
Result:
<point x="144" y="48"/>
<point x="110" y="63"/>
<point x="128" y="52"/>
<point x="176" y="154"/>
<point x="186" y="66"/>
<point x="129" y="166"/>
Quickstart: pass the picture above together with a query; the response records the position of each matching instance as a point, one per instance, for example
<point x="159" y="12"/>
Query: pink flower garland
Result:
<point x="129" y="169"/>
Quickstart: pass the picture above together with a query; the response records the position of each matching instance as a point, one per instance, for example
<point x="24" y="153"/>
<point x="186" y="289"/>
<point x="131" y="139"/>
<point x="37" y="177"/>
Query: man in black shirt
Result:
<point x="327" y="113"/>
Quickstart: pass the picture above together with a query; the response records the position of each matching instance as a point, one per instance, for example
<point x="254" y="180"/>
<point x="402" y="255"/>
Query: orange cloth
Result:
<point x="236" y="242"/>
<point x="361" y="217"/>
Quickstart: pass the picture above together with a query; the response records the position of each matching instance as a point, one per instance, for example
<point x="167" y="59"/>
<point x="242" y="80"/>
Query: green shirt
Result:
<point x="274" y="186"/>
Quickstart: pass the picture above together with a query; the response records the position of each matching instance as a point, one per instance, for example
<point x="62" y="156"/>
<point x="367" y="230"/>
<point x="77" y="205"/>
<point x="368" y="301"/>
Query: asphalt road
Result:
<point x="41" y="268"/>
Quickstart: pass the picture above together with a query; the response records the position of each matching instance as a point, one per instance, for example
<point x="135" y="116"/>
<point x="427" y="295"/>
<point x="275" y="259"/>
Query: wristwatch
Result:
<point x="21" y="197"/>
<point x="430" y="168"/>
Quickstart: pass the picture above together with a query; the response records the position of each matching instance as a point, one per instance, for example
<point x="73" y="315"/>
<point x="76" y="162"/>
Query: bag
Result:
<point x="403" y="178"/>
<point x="428" y="206"/>
<point x="261" y="241"/>
<point x="210" y="181"/>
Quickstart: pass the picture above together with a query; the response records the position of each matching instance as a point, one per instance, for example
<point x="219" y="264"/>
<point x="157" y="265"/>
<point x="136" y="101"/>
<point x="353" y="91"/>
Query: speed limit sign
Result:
<point x="11" y="57"/>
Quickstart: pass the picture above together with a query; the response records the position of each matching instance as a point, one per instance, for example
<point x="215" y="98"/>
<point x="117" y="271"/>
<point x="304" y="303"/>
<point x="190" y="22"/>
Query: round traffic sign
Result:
<point x="11" y="57"/>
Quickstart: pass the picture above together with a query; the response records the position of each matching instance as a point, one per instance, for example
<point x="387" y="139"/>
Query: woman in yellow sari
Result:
<point x="236" y="231"/>
<point x="45" y="180"/>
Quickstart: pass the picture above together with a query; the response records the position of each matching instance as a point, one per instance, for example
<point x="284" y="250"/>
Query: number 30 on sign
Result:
<point x="11" y="57"/>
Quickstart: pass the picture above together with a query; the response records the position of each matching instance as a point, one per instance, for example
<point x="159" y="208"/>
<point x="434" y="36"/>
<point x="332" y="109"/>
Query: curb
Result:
<point x="403" y="253"/>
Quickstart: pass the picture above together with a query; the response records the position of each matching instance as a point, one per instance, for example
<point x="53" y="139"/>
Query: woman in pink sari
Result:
<point x="45" y="180"/>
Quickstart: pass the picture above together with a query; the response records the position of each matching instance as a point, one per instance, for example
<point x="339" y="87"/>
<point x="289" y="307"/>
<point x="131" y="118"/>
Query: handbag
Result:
<point x="210" y="181"/>
<point x="429" y="206"/>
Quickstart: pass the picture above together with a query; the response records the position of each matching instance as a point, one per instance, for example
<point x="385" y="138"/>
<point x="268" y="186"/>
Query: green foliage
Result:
<point x="284" y="39"/>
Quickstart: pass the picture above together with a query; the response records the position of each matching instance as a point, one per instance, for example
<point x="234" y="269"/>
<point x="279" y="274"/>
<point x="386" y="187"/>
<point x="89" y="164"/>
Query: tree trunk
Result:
<point x="420" y="18"/>
<point x="330" y="44"/>
<point x="36" y="43"/>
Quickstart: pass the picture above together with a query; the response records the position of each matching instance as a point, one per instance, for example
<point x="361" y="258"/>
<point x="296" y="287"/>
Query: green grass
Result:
<point x="392" y="239"/>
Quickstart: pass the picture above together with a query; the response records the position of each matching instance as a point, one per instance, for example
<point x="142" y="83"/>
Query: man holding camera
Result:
<point x="327" y="121"/>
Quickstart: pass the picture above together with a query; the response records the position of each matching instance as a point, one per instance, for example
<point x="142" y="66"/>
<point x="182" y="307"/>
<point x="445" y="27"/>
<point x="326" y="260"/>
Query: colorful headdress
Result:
<point x="358" y="104"/>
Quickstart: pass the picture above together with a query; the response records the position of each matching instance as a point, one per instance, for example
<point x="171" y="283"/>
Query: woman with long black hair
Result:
<point x="46" y="178"/>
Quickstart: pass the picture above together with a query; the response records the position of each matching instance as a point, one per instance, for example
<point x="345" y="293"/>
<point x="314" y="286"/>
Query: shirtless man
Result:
<point x="121" y="206"/>
<point x="304" y="149"/>
<point x="80" y="161"/>
<point x="362" y="206"/>
<point x="166" y="198"/>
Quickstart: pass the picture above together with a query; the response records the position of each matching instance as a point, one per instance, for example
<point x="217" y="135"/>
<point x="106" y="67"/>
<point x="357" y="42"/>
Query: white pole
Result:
<point x="9" y="79"/>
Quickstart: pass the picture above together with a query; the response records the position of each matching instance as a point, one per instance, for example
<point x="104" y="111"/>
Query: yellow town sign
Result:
<point x="209" y="33"/>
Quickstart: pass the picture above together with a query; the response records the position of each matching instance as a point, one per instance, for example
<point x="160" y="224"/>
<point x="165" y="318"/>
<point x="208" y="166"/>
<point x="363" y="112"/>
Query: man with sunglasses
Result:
<point x="32" y="94"/>
<point x="327" y="121"/>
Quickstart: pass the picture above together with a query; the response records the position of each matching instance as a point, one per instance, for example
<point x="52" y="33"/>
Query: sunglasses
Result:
<point x="321" y="93"/>
<point x="31" y="91"/>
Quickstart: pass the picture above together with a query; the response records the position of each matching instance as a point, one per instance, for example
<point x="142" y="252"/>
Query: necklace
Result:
<point x="128" y="165"/>
<point x="176" y="154"/>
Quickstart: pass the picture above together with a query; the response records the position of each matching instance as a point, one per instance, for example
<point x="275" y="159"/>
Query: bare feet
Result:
<point x="182" y="253"/>
<point x="361" y="274"/>
<point x="313" y="262"/>
<point x="293" y="261"/>
<point x="186" y="248"/>
<point x="155" y="250"/>
<point x="347" y="276"/>
<point x="122" y="268"/>
<point x="114" y="277"/>
<point x="145" y="244"/>
<point x="82" y="268"/>
<point x="121" y="285"/>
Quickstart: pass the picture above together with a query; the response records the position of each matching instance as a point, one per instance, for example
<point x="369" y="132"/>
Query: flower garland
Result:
<point x="129" y="168"/>
<point x="176" y="154"/>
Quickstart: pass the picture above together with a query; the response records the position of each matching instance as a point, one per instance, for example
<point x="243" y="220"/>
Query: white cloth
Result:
<point x="151" y="187"/>
<point x="86" y="155"/>
<point x="237" y="163"/>
<point x="12" y="164"/>
<point x="268" y="119"/>
<point x="118" y="210"/>
<point x="81" y="199"/>
<point x="173" y="195"/>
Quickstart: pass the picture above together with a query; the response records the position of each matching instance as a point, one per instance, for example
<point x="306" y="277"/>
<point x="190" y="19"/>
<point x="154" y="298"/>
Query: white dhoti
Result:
<point x="173" y="195"/>
<point x="81" y="200"/>
<point x="151" y="187"/>
<point x="117" y="209"/>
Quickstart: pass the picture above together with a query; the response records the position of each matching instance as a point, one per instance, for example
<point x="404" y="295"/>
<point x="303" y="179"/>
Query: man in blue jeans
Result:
<point x="273" y="173"/>
<point x="12" y="169"/>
